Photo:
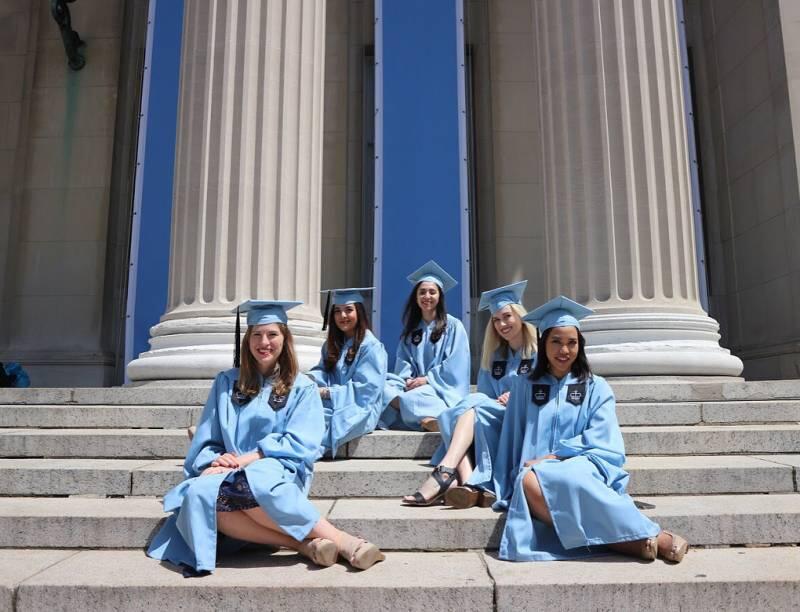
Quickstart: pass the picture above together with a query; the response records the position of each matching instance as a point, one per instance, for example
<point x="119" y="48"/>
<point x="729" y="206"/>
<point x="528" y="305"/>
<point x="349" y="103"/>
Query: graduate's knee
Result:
<point x="530" y="484"/>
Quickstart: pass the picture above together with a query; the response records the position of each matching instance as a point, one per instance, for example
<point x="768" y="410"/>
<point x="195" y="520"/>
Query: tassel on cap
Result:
<point x="327" y="311"/>
<point x="237" y="349"/>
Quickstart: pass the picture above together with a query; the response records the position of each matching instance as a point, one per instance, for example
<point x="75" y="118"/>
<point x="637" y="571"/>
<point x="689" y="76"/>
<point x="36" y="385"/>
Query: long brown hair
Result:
<point x="412" y="314"/>
<point x="337" y="338"/>
<point x="250" y="380"/>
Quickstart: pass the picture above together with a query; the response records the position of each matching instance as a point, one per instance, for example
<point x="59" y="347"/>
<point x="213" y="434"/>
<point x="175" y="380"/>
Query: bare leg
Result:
<point x="395" y="403"/>
<point x="535" y="498"/>
<point x="346" y="544"/>
<point x="456" y="454"/>
<point x="461" y="440"/>
<point x="239" y="525"/>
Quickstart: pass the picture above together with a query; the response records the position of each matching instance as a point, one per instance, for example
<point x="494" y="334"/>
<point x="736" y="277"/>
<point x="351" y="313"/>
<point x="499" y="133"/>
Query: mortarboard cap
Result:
<point x="495" y="299"/>
<point x="434" y="273"/>
<point x="340" y="297"/>
<point x="558" y="312"/>
<point x="351" y="295"/>
<point x="261" y="312"/>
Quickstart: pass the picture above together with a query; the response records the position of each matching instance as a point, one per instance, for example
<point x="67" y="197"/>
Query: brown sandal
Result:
<point x="677" y="550"/>
<point x="462" y="497"/>
<point x="321" y="551"/>
<point x="430" y="424"/>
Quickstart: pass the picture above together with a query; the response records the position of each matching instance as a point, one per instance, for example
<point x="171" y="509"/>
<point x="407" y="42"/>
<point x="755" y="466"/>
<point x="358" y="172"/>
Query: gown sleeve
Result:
<point x="450" y="378"/>
<point x="485" y="383"/>
<point x="366" y="385"/>
<point x="509" y="447"/>
<point x="403" y="364"/>
<point x="318" y="373"/>
<point x="303" y="432"/>
<point x="207" y="443"/>
<point x="601" y="438"/>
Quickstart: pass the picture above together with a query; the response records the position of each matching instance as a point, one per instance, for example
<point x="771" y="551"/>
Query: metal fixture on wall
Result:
<point x="72" y="41"/>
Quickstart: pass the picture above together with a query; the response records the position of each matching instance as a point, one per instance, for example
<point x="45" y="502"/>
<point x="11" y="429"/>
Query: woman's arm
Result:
<point x="365" y="387"/>
<point x="207" y="443"/>
<point x="305" y="427"/>
<point x="450" y="378"/>
<point x="601" y="438"/>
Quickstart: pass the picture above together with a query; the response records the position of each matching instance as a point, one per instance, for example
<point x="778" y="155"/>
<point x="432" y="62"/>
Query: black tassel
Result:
<point x="237" y="349"/>
<point x="327" y="311"/>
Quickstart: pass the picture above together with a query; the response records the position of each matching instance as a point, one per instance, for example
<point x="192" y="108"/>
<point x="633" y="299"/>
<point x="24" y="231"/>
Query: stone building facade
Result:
<point x="592" y="173"/>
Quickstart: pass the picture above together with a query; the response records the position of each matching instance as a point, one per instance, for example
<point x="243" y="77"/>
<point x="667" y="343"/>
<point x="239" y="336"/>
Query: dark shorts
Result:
<point x="235" y="495"/>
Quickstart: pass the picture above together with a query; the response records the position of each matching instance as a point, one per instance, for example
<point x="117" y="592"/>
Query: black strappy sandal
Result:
<point x="444" y="485"/>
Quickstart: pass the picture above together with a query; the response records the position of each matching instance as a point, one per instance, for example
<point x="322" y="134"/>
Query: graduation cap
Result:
<point x="433" y="273"/>
<point x="260" y="312"/>
<point x="558" y="312"/>
<point x="340" y="297"/>
<point x="496" y="299"/>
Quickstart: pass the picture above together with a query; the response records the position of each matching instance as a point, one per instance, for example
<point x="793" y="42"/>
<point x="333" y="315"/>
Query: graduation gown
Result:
<point x="356" y="390"/>
<point x="288" y="431"/>
<point x="444" y="363"/>
<point x="585" y="490"/>
<point x="492" y="384"/>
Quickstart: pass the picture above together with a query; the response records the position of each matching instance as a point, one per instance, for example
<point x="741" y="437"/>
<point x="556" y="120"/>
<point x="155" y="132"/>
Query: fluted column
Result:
<point x="617" y="186"/>
<point x="248" y="177"/>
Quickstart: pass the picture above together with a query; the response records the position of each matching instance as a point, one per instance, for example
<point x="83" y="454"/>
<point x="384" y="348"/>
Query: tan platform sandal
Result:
<point x="678" y="549"/>
<point x="363" y="554"/>
<point x="650" y="549"/>
<point x="321" y="551"/>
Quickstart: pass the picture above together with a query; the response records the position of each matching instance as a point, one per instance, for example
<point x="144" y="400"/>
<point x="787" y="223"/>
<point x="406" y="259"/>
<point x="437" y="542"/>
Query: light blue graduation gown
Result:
<point x="356" y="391"/>
<point x="444" y="363"/>
<point x="289" y="439"/>
<point x="585" y="491"/>
<point x="492" y="384"/>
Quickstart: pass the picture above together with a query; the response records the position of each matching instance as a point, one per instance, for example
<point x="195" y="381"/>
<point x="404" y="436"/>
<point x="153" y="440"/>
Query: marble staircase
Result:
<point x="81" y="471"/>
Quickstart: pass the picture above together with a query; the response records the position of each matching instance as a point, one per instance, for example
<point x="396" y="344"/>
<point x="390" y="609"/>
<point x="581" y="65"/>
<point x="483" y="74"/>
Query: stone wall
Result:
<point x="349" y="32"/>
<point x="57" y="137"/>
<point x="749" y="174"/>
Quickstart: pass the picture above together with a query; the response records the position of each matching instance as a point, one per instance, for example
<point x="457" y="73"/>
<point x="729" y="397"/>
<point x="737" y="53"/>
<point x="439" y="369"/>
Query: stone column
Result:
<point x="617" y="186"/>
<point x="248" y="175"/>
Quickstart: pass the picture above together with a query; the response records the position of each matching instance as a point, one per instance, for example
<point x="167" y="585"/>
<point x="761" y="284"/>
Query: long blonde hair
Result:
<point x="286" y="366"/>
<point x="492" y="341"/>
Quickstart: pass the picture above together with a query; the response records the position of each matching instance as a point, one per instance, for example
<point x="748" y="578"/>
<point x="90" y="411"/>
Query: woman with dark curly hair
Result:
<point x="559" y="468"/>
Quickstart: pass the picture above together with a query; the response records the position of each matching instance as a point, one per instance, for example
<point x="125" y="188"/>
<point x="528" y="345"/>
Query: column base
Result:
<point x="657" y="344"/>
<point x="201" y="347"/>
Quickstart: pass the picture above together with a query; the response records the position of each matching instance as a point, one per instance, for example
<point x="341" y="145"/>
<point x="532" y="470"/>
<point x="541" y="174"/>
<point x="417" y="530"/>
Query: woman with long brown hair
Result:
<point x="250" y="464"/>
<point x="351" y="372"/>
<point x="431" y="370"/>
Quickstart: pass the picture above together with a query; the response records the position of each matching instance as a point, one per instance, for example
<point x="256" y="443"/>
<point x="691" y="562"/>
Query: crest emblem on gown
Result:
<point x="576" y="393"/>
<point x="239" y="398"/>
<point x="525" y="367"/>
<point x="276" y="401"/>
<point x="416" y="337"/>
<point x="540" y="394"/>
<point x="498" y="369"/>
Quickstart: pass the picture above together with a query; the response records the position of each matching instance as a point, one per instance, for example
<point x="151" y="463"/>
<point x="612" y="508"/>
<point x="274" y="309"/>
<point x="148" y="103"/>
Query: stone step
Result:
<point x="129" y="523"/>
<point x="722" y="579"/>
<point x="113" y="416"/>
<point x="626" y="390"/>
<point x="173" y="443"/>
<point x="681" y="475"/>
<point x="63" y="416"/>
